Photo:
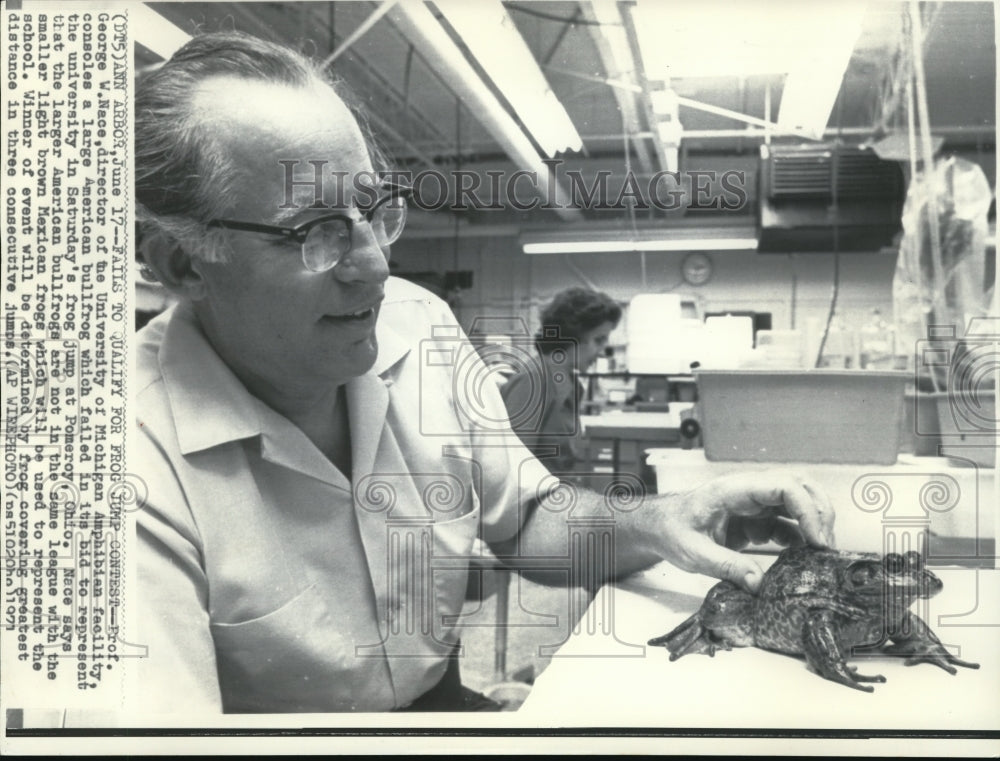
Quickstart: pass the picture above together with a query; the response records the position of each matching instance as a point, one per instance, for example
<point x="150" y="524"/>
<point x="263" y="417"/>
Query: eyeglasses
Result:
<point x="327" y="239"/>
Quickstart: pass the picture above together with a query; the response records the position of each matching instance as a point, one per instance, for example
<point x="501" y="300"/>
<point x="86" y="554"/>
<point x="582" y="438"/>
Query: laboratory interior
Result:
<point x="783" y="215"/>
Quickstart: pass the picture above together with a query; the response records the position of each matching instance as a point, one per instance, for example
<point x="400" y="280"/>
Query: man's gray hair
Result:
<point x="183" y="177"/>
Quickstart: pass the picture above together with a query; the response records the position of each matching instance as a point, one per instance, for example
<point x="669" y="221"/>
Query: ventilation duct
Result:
<point x="798" y="187"/>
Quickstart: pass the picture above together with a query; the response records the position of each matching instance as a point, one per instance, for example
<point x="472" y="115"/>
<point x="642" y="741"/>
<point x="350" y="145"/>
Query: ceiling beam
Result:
<point x="952" y="131"/>
<point x="394" y="106"/>
<point x="737" y="116"/>
<point x="560" y="37"/>
<point x="395" y="99"/>
<point x="667" y="154"/>
<point x="622" y="72"/>
<point x="358" y="33"/>
<point x="414" y="152"/>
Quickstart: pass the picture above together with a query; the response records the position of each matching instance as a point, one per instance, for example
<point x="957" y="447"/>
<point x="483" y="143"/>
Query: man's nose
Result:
<point x="367" y="261"/>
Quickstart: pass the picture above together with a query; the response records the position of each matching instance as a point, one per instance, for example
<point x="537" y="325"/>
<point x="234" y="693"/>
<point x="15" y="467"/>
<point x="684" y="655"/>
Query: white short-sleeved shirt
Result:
<point x="269" y="580"/>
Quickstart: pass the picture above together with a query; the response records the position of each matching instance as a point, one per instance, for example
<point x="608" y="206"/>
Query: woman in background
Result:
<point x="543" y="400"/>
<point x="543" y="397"/>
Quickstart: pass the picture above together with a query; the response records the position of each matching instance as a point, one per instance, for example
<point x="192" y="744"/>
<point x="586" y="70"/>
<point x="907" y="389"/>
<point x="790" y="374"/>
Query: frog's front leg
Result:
<point x="923" y="646"/>
<point x="823" y="652"/>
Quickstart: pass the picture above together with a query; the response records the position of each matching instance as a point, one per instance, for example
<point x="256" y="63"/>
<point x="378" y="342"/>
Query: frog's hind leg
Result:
<point x="690" y="637"/>
<point x="715" y="626"/>
<point x="823" y="653"/>
<point x="923" y="646"/>
<point x="864" y="677"/>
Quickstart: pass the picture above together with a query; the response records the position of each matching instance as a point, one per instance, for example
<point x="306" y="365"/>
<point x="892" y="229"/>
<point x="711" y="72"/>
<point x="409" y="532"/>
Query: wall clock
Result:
<point x="696" y="269"/>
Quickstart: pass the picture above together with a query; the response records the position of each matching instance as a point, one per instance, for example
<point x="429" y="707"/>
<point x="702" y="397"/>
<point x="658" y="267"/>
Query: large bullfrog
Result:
<point x="825" y="605"/>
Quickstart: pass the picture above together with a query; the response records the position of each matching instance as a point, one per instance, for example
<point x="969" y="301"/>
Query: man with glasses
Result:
<point x="315" y="484"/>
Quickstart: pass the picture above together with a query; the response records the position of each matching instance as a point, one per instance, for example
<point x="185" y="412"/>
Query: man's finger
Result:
<point x="814" y="517"/>
<point x="828" y="515"/>
<point x="722" y="563"/>
<point x="788" y="494"/>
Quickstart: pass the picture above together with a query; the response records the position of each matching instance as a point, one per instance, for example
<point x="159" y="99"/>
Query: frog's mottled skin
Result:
<point x="822" y="604"/>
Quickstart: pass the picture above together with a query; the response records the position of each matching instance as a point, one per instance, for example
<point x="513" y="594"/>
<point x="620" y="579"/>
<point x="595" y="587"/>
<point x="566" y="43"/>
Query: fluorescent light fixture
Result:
<point x="612" y="27"/>
<point x="617" y="246"/>
<point x="420" y="27"/>
<point x="490" y="34"/>
<point x="153" y="31"/>
<point x="814" y="80"/>
<point x="147" y="27"/>
<point x="613" y="38"/>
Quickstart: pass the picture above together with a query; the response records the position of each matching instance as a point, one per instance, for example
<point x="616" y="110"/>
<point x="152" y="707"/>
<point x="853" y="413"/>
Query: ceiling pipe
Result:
<point x="358" y="33"/>
<point x="737" y="116"/>
<point x="752" y="132"/>
<point x="375" y="80"/>
<point x="666" y="153"/>
<point x="388" y="129"/>
<point x="618" y="71"/>
<point x="943" y="131"/>
<point x="421" y="29"/>
<point x="251" y="20"/>
<point x="618" y="84"/>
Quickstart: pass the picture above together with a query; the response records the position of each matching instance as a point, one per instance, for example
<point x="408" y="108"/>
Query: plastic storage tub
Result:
<point x="843" y="416"/>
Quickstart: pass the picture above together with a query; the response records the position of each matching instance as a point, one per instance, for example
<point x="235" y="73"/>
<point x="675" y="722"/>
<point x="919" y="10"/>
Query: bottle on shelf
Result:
<point x="878" y="343"/>
<point x="841" y="349"/>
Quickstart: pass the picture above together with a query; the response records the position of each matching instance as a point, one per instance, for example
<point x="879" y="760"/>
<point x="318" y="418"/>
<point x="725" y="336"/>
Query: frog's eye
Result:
<point x="860" y="574"/>
<point x="894" y="563"/>
<point x="914" y="561"/>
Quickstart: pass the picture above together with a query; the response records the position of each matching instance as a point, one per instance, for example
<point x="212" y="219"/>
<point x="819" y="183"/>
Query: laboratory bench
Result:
<point x="650" y="387"/>
<point x="615" y="443"/>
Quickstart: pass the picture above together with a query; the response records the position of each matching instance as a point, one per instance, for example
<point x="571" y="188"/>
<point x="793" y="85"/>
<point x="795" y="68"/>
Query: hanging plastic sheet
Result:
<point x="940" y="278"/>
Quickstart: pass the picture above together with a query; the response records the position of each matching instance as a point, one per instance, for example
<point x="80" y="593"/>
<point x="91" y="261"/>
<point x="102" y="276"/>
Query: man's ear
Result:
<point x="173" y="266"/>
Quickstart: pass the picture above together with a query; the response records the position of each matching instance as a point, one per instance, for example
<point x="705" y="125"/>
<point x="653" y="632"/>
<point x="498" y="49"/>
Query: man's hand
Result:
<point x="735" y="510"/>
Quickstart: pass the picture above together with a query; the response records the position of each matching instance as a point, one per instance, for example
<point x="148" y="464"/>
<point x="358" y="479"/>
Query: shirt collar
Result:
<point x="209" y="404"/>
<point x="392" y="347"/>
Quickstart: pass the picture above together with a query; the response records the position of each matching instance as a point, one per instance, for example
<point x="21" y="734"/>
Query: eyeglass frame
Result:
<point x="299" y="233"/>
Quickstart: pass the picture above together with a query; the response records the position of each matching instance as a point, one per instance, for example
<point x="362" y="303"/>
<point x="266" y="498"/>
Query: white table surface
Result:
<point x="605" y="675"/>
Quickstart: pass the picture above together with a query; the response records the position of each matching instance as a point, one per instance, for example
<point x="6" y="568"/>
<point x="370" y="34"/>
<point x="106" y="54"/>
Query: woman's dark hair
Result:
<point x="572" y="313"/>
